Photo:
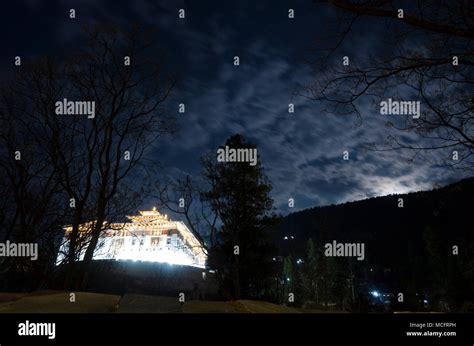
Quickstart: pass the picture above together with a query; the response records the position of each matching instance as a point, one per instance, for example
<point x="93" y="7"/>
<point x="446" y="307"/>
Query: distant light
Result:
<point x="292" y="237"/>
<point x="425" y="301"/>
<point x="375" y="293"/>
<point x="288" y="279"/>
<point x="299" y="261"/>
<point x="274" y="258"/>
<point x="286" y="237"/>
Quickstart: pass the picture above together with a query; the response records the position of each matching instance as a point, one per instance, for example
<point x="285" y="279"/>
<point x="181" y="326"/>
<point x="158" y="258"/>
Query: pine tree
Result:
<point x="239" y="194"/>
<point x="338" y="280"/>
<point x="309" y="281"/>
<point x="289" y="277"/>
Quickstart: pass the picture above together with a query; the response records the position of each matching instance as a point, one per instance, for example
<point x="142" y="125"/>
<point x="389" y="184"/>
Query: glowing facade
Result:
<point x="150" y="236"/>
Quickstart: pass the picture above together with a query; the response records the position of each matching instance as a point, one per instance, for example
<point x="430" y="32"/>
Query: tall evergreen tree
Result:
<point x="309" y="279"/>
<point x="240" y="195"/>
<point x="338" y="280"/>
<point x="289" y="277"/>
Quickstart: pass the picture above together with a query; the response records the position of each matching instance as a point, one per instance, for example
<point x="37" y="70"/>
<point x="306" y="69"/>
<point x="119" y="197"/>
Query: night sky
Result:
<point x="301" y="152"/>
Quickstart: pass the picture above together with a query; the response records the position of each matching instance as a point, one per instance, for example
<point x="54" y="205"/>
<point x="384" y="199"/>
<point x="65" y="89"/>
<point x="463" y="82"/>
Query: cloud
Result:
<point x="301" y="151"/>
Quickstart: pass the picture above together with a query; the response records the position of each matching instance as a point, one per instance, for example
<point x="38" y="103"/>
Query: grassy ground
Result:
<point x="59" y="302"/>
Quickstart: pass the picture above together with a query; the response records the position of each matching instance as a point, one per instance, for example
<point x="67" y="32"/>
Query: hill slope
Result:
<point x="403" y="241"/>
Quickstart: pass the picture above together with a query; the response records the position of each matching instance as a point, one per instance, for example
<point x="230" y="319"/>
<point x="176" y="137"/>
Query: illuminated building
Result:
<point x="150" y="236"/>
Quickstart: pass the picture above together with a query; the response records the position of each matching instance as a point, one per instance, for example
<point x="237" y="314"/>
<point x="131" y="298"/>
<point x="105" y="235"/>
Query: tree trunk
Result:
<point x="89" y="255"/>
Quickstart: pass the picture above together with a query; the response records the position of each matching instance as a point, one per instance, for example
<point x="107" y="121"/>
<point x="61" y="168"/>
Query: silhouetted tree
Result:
<point x="240" y="196"/>
<point x="289" y="277"/>
<point x="445" y="280"/>
<point x="183" y="195"/>
<point x="338" y="276"/>
<point x="129" y="118"/>
<point x="93" y="160"/>
<point x="309" y="279"/>
<point x="426" y="56"/>
<point x="31" y="207"/>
